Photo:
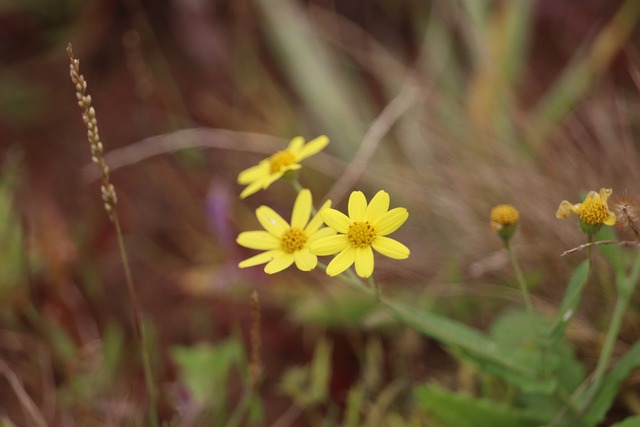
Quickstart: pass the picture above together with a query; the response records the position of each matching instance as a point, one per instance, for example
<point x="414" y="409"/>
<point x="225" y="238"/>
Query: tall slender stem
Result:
<point x="139" y="328"/>
<point x="626" y="288"/>
<point x="528" y="304"/>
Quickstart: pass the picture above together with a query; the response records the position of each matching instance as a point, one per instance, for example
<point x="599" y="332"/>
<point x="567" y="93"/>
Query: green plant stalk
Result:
<point x="529" y="306"/>
<point x="139" y="328"/>
<point x="625" y="292"/>
<point x="523" y="287"/>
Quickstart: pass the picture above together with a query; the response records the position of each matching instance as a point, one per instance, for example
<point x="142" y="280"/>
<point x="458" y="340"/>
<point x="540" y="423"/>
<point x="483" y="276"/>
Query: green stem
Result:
<point x="139" y="328"/>
<point x="523" y="286"/>
<point x="626" y="289"/>
<point x="528" y="304"/>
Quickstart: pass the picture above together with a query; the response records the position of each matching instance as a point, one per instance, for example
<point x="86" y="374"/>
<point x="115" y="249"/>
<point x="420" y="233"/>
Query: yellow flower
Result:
<point x="365" y="228"/>
<point x="269" y="170"/>
<point x="593" y="211"/>
<point x="504" y="220"/>
<point x="285" y="244"/>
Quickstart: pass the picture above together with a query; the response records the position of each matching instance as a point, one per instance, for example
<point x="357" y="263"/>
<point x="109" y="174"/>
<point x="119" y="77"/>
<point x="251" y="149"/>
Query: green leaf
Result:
<point x="459" y="410"/>
<point x="205" y="369"/>
<point x="610" y="385"/>
<point x="309" y="385"/>
<point x="570" y="302"/>
<point x="517" y="367"/>
<point x="629" y="422"/>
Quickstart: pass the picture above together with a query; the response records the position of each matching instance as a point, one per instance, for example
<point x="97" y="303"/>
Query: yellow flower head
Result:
<point x="593" y="211"/>
<point x="285" y="243"/>
<point x="269" y="170"/>
<point x="504" y="220"/>
<point x="365" y="228"/>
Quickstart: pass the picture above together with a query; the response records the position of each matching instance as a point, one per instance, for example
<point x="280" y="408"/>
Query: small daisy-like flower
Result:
<point x="504" y="220"/>
<point x="593" y="211"/>
<point x="364" y="229"/>
<point x="285" y="243"/>
<point x="269" y="170"/>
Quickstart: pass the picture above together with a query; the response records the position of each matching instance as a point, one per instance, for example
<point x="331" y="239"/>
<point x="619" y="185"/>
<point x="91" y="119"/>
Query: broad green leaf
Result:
<point x="629" y="422"/>
<point x="604" y="397"/>
<point x="517" y="367"/>
<point x="570" y="302"/>
<point x="460" y="410"/>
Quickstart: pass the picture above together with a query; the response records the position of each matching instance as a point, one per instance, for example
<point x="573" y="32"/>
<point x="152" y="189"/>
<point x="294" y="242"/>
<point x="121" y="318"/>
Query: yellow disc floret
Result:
<point x="293" y="240"/>
<point x="593" y="211"/>
<point x="361" y="234"/>
<point x="504" y="220"/>
<point x="281" y="160"/>
<point x="503" y="215"/>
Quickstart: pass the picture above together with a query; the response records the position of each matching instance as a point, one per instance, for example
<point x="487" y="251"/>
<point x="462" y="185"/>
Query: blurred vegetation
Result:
<point x="450" y="106"/>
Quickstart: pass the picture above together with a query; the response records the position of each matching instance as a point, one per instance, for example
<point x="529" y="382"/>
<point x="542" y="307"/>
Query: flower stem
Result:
<point x="139" y="328"/>
<point x="626" y="289"/>
<point x="528" y="304"/>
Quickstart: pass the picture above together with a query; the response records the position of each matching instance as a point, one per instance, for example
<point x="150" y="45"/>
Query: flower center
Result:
<point x="361" y="234"/>
<point x="281" y="160"/>
<point x="505" y="215"/>
<point x="293" y="240"/>
<point x="593" y="211"/>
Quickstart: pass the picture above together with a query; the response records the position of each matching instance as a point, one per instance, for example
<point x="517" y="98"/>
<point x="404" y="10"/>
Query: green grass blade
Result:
<point x="570" y="302"/>
<point x="609" y="387"/>
<point x="588" y="65"/>
<point x="309" y="66"/>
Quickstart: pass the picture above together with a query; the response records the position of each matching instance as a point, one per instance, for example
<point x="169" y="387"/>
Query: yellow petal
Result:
<point x="312" y="147"/>
<point x="249" y="175"/>
<point x="565" y="209"/>
<point x="323" y="232"/>
<point x="316" y="222"/>
<point x="364" y="262"/>
<point x="260" y="240"/>
<point x="611" y="219"/>
<point x="378" y="206"/>
<point x="295" y="144"/>
<point x="262" y="258"/>
<point x="604" y="195"/>
<point x="357" y="206"/>
<point x="390" y="221"/>
<point x="342" y="261"/>
<point x="281" y="261"/>
<point x="271" y="221"/>
<point x="336" y="220"/>
<point x="252" y="188"/>
<point x="301" y="209"/>
<point x="305" y="260"/>
<point x="329" y="245"/>
<point x="390" y="247"/>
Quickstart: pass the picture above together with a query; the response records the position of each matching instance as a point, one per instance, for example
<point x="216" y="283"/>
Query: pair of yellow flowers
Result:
<point x="301" y="241"/>
<point x="354" y="237"/>
<point x="593" y="212"/>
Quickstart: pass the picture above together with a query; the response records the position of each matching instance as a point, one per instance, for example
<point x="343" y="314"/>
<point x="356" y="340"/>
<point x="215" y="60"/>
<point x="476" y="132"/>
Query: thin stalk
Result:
<point x="528" y="304"/>
<point x="139" y="328"/>
<point x="523" y="287"/>
<point x="626" y="290"/>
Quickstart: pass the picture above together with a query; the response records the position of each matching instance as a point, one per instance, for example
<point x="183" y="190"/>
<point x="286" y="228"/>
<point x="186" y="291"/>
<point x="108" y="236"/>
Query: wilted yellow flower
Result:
<point x="504" y="220"/>
<point x="271" y="169"/>
<point x="286" y="243"/>
<point x="593" y="211"/>
<point x="365" y="228"/>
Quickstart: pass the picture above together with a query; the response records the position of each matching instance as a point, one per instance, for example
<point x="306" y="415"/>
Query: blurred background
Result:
<point x="450" y="106"/>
